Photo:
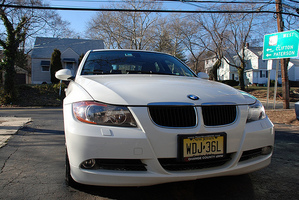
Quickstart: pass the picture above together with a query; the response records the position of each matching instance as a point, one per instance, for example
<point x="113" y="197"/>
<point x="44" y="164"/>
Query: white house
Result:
<point x="257" y="70"/>
<point x="293" y="69"/>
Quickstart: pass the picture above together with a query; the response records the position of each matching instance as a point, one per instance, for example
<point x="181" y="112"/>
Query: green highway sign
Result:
<point x="281" y="45"/>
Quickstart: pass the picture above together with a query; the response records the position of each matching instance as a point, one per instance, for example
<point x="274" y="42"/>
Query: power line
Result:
<point x="223" y="2"/>
<point x="141" y="10"/>
<point x="294" y="1"/>
<point x="182" y="1"/>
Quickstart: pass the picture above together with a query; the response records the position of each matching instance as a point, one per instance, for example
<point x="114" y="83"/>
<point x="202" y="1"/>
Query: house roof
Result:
<point x="227" y="56"/>
<point x="256" y="50"/>
<point x="44" y="47"/>
<point x="295" y="62"/>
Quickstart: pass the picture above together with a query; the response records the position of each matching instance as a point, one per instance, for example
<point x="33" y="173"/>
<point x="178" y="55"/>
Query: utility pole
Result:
<point x="283" y="62"/>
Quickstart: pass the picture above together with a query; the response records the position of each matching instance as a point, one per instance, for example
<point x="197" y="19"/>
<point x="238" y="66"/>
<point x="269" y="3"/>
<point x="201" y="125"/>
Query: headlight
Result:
<point x="103" y="114"/>
<point x="256" y="111"/>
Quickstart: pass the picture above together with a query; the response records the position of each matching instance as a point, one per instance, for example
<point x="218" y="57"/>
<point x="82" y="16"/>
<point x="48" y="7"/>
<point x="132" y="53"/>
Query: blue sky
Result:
<point x="79" y="19"/>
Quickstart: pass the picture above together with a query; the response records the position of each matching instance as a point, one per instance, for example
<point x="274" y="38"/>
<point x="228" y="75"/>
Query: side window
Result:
<point x="177" y="69"/>
<point x="173" y="69"/>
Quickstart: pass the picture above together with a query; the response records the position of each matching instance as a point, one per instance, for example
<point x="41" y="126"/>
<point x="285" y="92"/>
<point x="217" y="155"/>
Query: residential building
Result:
<point x="71" y="50"/>
<point x="225" y="71"/>
<point x="257" y="70"/>
<point x="293" y="69"/>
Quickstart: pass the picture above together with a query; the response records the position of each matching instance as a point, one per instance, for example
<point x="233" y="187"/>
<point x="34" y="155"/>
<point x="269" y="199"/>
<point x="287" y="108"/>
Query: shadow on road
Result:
<point x="234" y="187"/>
<point x="47" y="131"/>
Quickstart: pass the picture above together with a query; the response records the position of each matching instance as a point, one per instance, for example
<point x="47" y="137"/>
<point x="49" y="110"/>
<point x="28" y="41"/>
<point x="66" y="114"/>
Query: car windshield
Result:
<point x="133" y="62"/>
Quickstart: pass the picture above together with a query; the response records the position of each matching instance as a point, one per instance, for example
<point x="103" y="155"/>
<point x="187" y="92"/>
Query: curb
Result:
<point x="10" y="126"/>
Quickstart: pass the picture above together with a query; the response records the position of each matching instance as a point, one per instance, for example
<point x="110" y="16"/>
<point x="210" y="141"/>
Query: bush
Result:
<point x="294" y="83"/>
<point x="230" y="82"/>
<point x="38" y="95"/>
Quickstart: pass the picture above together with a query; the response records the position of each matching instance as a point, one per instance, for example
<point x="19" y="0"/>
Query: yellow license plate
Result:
<point x="201" y="147"/>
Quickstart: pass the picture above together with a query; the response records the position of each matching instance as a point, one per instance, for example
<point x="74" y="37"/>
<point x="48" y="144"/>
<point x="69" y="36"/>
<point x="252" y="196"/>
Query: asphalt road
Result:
<point x="32" y="167"/>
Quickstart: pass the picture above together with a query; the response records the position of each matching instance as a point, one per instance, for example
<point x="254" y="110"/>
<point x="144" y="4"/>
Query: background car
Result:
<point x="297" y="110"/>
<point x="137" y="118"/>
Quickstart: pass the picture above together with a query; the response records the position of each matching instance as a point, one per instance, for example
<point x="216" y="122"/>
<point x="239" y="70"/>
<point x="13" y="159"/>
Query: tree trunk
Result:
<point x="283" y="62"/>
<point x="9" y="76"/>
<point x="215" y="69"/>
<point x="285" y="83"/>
<point x="241" y="78"/>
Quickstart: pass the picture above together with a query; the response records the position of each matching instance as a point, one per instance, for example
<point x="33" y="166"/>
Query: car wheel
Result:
<point x="68" y="178"/>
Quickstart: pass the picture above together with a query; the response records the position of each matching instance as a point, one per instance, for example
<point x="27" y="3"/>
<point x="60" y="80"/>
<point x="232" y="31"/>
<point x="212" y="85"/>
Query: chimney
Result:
<point x="247" y="45"/>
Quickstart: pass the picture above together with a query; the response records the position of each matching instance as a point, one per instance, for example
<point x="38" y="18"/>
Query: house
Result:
<point x="71" y="50"/>
<point x="257" y="70"/>
<point x="225" y="71"/>
<point x="293" y="69"/>
<point x="22" y="76"/>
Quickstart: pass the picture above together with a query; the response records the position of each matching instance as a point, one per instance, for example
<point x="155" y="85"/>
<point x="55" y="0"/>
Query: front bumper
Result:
<point x="150" y="144"/>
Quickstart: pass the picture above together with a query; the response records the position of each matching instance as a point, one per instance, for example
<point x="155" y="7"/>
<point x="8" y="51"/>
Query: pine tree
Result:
<point x="55" y="65"/>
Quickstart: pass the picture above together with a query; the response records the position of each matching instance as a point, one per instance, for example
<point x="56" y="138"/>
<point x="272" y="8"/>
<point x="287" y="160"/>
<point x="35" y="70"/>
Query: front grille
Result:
<point x="173" y="116"/>
<point x="172" y="164"/>
<point x="216" y="115"/>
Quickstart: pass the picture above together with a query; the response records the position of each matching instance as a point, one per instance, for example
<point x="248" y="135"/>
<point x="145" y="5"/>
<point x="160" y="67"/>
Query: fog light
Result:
<point x="88" y="164"/>
<point x="266" y="150"/>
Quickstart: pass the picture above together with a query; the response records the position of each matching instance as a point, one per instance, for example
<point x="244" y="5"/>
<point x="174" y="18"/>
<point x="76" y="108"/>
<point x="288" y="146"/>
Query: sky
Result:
<point x="79" y="19"/>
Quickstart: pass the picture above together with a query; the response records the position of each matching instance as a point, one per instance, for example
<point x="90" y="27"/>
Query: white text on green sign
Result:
<point x="281" y="45"/>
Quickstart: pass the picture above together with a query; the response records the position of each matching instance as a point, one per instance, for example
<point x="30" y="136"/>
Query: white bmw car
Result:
<point x="139" y="118"/>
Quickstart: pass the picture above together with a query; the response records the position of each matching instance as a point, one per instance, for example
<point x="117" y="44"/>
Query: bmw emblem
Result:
<point x="193" y="97"/>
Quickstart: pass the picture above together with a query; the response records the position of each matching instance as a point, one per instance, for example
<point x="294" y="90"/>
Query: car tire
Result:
<point x="68" y="178"/>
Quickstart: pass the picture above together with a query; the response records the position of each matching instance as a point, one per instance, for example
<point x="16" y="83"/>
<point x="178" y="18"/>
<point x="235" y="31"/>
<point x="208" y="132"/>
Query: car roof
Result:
<point x="136" y="50"/>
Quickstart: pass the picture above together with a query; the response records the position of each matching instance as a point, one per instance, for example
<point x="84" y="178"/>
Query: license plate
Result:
<point x="201" y="147"/>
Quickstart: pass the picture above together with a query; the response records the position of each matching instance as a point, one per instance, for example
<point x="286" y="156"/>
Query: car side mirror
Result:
<point x="64" y="75"/>
<point x="203" y="75"/>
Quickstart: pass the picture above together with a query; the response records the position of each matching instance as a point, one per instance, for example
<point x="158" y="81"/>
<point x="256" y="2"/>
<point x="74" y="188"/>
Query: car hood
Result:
<point x="145" y="89"/>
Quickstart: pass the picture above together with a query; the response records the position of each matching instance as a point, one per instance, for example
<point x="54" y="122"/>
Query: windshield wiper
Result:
<point x="146" y="72"/>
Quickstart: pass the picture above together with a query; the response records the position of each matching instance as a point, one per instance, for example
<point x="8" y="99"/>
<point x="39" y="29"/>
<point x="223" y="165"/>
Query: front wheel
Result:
<point x="68" y="178"/>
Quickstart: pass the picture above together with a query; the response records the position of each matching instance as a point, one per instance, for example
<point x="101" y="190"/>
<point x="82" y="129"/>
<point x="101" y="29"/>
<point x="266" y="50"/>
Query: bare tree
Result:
<point x="133" y="30"/>
<point x="169" y="38"/>
<point x="214" y="40"/>
<point x="107" y="26"/>
<point x="176" y="26"/>
<point x="163" y="41"/>
<point x="187" y="34"/>
<point x="238" y="33"/>
<point x="240" y="29"/>
<point x="19" y="25"/>
<point x="57" y="27"/>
